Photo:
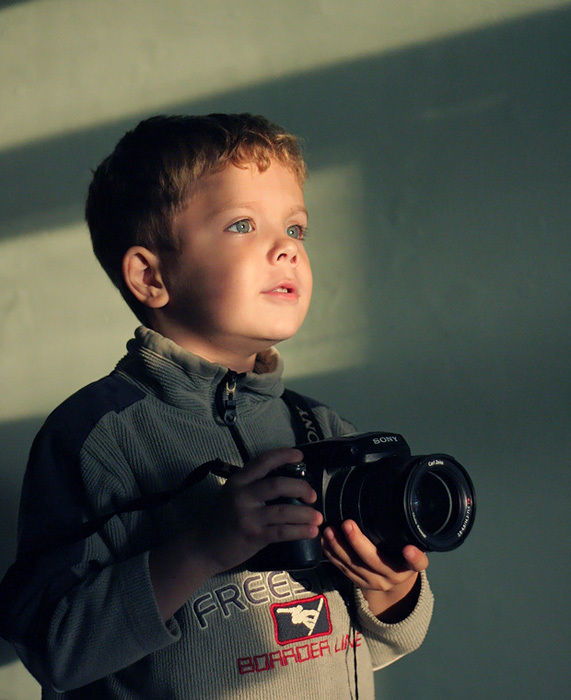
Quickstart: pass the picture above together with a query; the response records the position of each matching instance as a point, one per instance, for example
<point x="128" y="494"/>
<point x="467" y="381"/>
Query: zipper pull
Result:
<point x="229" y="415"/>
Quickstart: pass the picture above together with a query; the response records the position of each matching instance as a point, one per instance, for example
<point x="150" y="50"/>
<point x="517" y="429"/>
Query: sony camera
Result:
<point x="396" y="498"/>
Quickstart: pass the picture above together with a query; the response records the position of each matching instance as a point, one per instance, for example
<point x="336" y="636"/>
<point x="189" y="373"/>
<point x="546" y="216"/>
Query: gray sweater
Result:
<point x="81" y="609"/>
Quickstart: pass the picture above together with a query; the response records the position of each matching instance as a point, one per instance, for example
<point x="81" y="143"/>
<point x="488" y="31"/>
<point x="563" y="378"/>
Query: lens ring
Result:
<point x="459" y="511"/>
<point x="433" y="503"/>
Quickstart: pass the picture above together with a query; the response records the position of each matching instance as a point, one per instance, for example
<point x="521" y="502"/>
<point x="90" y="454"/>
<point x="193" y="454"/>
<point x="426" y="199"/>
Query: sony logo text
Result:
<point x="385" y="438"/>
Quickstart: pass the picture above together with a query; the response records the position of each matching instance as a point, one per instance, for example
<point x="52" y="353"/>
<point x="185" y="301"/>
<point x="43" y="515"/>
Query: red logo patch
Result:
<point x="301" y="619"/>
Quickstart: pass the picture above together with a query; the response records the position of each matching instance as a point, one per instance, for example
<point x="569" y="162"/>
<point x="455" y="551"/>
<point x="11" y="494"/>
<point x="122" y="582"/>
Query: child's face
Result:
<point x="242" y="281"/>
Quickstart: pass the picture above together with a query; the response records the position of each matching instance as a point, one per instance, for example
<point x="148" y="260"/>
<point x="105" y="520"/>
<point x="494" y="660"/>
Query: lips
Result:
<point x="285" y="288"/>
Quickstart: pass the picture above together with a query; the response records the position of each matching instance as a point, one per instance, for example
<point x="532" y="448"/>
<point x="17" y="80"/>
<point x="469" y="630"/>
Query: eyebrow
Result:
<point x="250" y="205"/>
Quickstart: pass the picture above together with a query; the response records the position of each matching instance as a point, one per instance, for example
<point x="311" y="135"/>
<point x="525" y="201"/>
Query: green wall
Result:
<point x="438" y="139"/>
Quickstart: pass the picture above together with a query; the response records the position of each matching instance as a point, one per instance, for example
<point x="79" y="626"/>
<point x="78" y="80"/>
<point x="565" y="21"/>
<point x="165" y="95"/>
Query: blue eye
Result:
<point x="296" y="231"/>
<point x="242" y="226"/>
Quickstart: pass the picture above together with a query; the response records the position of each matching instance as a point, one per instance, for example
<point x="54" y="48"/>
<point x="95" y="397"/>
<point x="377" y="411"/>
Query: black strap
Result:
<point x="147" y="502"/>
<point x="306" y="429"/>
<point x="304" y="423"/>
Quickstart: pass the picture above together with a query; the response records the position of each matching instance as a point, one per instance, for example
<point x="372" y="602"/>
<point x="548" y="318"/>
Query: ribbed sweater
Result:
<point x="81" y="612"/>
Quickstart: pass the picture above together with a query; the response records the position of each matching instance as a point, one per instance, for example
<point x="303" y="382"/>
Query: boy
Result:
<point x="118" y="593"/>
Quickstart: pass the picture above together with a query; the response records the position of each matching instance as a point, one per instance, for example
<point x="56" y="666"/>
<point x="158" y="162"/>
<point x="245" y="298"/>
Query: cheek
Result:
<point x="227" y="291"/>
<point x="209" y="279"/>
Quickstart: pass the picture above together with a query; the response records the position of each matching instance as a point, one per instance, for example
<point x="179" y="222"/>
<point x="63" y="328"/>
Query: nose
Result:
<point x="284" y="249"/>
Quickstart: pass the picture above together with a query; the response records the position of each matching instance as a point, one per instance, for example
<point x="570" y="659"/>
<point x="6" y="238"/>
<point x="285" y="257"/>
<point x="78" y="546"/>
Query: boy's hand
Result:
<point x="238" y="526"/>
<point x="390" y="588"/>
<point x="242" y="522"/>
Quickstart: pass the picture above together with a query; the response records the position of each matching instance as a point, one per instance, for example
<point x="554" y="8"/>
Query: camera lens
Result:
<point x="432" y="502"/>
<point x="438" y="502"/>
<point x="425" y="500"/>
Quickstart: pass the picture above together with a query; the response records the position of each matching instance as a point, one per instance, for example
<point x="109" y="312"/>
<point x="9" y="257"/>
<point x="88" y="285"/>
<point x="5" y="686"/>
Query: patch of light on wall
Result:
<point x="333" y="336"/>
<point x="62" y="323"/>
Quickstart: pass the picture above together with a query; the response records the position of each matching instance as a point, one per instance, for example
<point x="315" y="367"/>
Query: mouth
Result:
<point x="285" y="289"/>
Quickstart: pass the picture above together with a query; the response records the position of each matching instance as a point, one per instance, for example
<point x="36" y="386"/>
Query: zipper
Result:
<point x="229" y="402"/>
<point x="226" y="407"/>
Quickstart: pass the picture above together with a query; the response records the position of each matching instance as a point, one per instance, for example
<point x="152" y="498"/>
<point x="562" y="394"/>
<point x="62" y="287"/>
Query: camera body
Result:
<point x="396" y="498"/>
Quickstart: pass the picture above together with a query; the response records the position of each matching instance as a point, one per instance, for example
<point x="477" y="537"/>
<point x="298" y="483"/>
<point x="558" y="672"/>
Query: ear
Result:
<point x="142" y="275"/>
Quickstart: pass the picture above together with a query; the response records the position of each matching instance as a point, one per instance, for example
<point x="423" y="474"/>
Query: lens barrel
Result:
<point x="439" y="502"/>
<point x="427" y="501"/>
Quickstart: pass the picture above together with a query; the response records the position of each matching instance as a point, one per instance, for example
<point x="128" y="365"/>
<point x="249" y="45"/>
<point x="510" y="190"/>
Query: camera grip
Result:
<point x="292" y="471"/>
<point x="295" y="555"/>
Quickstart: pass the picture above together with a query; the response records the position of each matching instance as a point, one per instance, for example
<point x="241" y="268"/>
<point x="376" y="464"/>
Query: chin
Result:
<point x="278" y="331"/>
<point x="266" y="343"/>
<point x="284" y="329"/>
<point x="283" y="334"/>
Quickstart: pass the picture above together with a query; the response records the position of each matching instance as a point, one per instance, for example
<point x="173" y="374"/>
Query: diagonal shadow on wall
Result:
<point x="368" y="108"/>
<point x="470" y="135"/>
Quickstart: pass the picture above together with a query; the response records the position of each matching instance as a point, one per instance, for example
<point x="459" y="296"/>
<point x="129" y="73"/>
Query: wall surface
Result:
<point x="438" y="138"/>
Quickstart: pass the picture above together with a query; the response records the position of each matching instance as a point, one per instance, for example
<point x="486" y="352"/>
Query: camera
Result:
<point x="396" y="498"/>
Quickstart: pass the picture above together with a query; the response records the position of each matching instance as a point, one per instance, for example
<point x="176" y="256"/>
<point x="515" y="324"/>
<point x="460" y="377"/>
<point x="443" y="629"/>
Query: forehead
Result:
<point x="246" y="183"/>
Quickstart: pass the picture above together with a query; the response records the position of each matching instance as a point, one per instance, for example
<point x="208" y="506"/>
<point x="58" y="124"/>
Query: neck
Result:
<point x="237" y="359"/>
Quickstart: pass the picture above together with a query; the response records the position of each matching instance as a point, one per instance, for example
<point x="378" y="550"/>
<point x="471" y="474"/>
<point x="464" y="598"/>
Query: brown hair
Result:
<point x="148" y="178"/>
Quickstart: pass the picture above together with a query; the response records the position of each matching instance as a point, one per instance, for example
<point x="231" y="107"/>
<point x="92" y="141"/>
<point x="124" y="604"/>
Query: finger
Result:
<point x="339" y="553"/>
<point x="270" y="489"/>
<point x="365" y="552"/>
<point x="416" y="558"/>
<point x="261" y="466"/>
<point x="284" y="514"/>
<point x="362" y="554"/>
<point x="285" y="522"/>
<point x="360" y="543"/>
<point x="339" y="548"/>
<point x="286" y="532"/>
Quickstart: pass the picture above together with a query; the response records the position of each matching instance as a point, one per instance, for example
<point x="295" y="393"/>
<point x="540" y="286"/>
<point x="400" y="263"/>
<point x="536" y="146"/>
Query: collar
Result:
<point x="161" y="367"/>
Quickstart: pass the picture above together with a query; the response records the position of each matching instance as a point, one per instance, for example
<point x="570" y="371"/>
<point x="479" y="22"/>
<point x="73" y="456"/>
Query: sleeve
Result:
<point x="77" y="609"/>
<point x="389" y="642"/>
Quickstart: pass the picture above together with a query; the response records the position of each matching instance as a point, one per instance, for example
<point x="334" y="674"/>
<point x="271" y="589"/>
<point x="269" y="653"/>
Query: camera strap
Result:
<point x="303" y="419"/>
<point x="305" y="427"/>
